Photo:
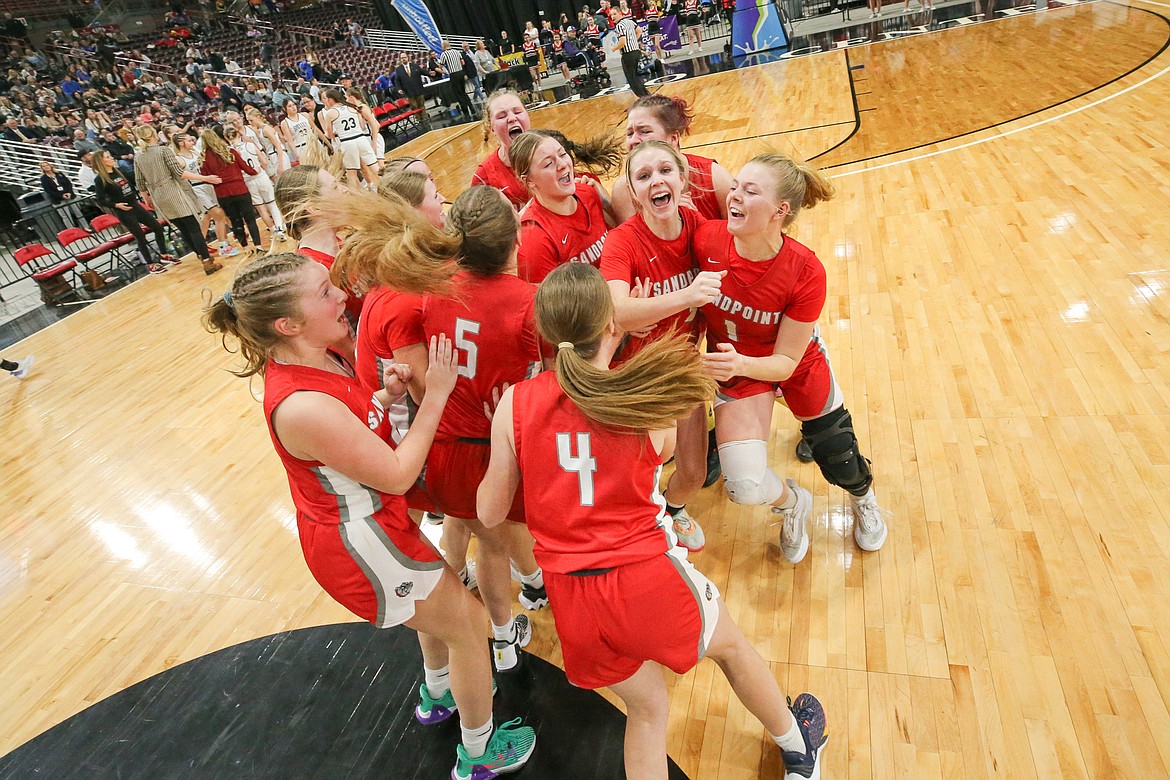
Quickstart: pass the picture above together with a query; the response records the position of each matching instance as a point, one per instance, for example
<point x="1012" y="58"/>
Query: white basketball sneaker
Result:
<point x="794" y="524"/>
<point x="869" y="521"/>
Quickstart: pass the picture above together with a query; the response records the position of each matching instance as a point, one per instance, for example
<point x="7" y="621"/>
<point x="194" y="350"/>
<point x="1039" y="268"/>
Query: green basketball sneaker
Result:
<point x="507" y="751"/>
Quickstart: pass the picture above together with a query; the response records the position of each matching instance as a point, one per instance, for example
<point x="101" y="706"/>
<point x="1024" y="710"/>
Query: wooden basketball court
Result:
<point x="998" y="319"/>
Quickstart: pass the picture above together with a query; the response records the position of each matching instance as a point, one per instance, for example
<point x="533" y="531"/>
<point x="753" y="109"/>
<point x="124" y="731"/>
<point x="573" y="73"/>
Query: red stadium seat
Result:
<point x="50" y="272"/>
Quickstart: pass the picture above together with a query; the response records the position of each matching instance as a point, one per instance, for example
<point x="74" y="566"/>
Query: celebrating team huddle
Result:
<point x="523" y="365"/>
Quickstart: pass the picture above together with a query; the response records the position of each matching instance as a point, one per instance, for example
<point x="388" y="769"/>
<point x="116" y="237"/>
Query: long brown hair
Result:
<point x="661" y="383"/>
<point x="797" y="182"/>
<point x="263" y="291"/>
<point x="602" y="154"/>
<point x="98" y="163"/>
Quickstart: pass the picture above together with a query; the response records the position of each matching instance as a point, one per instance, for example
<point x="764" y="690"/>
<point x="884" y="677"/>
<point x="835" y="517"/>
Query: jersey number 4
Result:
<point x="583" y="463"/>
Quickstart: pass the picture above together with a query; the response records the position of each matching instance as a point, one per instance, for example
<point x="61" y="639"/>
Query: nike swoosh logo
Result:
<point x="712" y="260"/>
<point x="652" y="259"/>
<point x="565" y="240"/>
<point x="505" y="187"/>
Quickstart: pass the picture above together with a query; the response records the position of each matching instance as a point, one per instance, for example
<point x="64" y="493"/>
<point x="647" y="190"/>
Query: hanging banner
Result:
<point x="756" y="26"/>
<point x="418" y="16"/>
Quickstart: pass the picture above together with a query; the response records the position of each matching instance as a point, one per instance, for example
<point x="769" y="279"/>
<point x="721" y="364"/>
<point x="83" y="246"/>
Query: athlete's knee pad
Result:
<point x="835" y="450"/>
<point x="746" y="474"/>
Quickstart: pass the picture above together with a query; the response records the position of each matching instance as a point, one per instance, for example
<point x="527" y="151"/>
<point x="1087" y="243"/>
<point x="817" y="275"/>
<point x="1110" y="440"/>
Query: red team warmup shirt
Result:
<point x="633" y="252"/>
<point x="493" y="325"/>
<point x="747" y="314"/>
<point x="326" y="499"/>
<point x="493" y="173"/>
<point x="598" y="503"/>
<point x="548" y="240"/>
<point x="703" y="187"/>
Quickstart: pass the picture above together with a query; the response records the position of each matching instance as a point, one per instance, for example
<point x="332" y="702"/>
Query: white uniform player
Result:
<point x="353" y="138"/>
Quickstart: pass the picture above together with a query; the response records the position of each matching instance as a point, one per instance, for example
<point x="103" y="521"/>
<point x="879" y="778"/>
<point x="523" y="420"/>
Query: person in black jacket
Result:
<point x="121" y="152"/>
<point x="117" y="194"/>
<point x="59" y="190"/>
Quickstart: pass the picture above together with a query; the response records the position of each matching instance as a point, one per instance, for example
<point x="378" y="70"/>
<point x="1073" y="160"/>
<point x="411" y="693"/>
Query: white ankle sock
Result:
<point x="792" y="740"/>
<point x="438" y="681"/>
<point x="789" y="502"/>
<point x="534" y="580"/>
<point x="504" y="633"/>
<point x="475" y="740"/>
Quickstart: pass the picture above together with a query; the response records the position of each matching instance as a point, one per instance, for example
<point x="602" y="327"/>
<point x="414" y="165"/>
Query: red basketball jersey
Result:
<point x="493" y="173"/>
<point x="703" y="187"/>
<point x="491" y="321"/>
<point x="592" y="500"/>
<point x="323" y="495"/>
<point x="755" y="295"/>
<point x="548" y="240"/>
<point x="633" y="252"/>
<point x="390" y="320"/>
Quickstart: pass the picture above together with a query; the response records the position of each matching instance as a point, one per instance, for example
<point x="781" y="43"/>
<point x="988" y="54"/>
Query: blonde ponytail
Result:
<point x="661" y="383"/>
<point x="797" y="182"/>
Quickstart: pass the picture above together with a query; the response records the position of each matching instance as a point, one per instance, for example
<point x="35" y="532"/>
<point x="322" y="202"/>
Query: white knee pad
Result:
<point x="746" y="474"/>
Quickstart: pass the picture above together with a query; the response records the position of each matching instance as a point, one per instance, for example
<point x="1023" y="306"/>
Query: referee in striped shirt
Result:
<point x="627" y="32"/>
<point x="452" y="61"/>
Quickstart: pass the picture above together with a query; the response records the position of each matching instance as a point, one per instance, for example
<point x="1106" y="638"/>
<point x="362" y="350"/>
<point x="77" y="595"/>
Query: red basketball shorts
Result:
<point x="374" y="570"/>
<point x="811" y="391"/>
<point x="454" y="470"/>
<point x="662" y="609"/>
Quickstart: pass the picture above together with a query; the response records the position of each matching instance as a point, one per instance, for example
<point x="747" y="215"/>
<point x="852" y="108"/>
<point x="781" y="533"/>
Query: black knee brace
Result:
<point x="834" y="448"/>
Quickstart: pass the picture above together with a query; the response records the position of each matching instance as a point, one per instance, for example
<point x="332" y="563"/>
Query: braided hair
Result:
<point x="263" y="291"/>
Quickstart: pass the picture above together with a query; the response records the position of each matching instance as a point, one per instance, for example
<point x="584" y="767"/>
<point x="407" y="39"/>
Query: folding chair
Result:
<point x="115" y="239"/>
<point x="89" y="250"/>
<point x="51" y="274"/>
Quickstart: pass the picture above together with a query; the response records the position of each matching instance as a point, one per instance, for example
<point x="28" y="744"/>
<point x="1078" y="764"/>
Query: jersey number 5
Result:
<point x="464" y="328"/>
<point x="583" y="463"/>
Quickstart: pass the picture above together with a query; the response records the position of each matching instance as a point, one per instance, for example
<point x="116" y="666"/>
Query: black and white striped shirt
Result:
<point x="452" y="60"/>
<point x="628" y="30"/>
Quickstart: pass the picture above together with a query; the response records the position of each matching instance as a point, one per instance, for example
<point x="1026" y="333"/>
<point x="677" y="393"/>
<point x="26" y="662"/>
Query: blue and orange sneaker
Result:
<point x="507" y="751"/>
<point x="810" y="719"/>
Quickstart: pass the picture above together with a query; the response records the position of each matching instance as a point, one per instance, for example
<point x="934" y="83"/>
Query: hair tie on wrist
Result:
<point x="227" y="298"/>
<point x="565" y="345"/>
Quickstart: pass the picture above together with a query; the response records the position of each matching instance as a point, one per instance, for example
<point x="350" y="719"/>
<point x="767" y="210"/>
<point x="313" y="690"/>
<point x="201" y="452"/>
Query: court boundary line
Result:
<point x="1031" y="126"/>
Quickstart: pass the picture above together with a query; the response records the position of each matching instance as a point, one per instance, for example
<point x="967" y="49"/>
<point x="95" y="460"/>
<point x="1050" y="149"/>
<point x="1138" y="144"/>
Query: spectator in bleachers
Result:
<point x="71" y="86"/>
<point x="193" y="70"/>
<point x="384" y="87"/>
<point x="14" y="131"/>
<point x="356" y="33"/>
<point x="337" y="32"/>
<point x="85" y="174"/>
<point x="82" y="143"/>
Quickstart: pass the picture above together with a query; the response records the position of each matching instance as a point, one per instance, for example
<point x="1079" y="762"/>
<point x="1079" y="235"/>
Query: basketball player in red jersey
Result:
<point x="490" y="318"/>
<point x="505" y="117"/>
<point x="392" y="329"/>
<point x="625" y="600"/>
<point x="566" y="220"/>
<point x="295" y="189"/>
<point x="668" y="119"/>
<point x="763" y="341"/>
<point x="651" y="252"/>
<point x="330" y="432"/>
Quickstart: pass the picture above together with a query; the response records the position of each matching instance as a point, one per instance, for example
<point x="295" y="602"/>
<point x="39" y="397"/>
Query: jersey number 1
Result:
<point x="583" y="463"/>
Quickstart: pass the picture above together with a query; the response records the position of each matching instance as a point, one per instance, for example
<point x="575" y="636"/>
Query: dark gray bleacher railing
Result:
<point x="41" y="226"/>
